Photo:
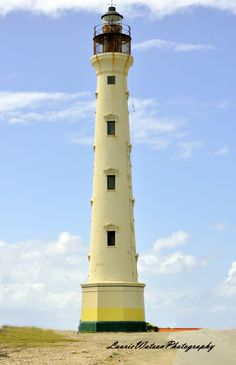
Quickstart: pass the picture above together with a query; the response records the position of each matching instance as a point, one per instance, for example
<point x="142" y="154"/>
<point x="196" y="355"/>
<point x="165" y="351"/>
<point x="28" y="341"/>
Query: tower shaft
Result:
<point x="112" y="298"/>
<point x="112" y="208"/>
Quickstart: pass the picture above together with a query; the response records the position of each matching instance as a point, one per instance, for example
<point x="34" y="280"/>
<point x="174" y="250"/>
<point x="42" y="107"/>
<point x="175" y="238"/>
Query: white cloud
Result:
<point x="175" y="307"/>
<point x="220" y="105"/>
<point x="8" y="78"/>
<point x="148" y="126"/>
<point x="40" y="285"/>
<point x="130" y="7"/>
<point x="152" y="123"/>
<point x="155" y="262"/>
<point x="188" y="306"/>
<point x="171" y="46"/>
<point x="219" y="226"/>
<point x="222" y="151"/>
<point x="187" y="148"/>
<point x="232" y="272"/>
<point x="43" y="277"/>
<point x="17" y="100"/>
<point x="228" y="287"/>
<point x="177" y="262"/>
<point x="175" y="239"/>
<point x="40" y="280"/>
<point x="180" y="302"/>
<point x="28" y="107"/>
<point x="167" y="124"/>
<point x="83" y="140"/>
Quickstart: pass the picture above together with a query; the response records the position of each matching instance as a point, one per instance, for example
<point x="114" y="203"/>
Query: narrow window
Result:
<point x="111" y="80"/>
<point x="111" y="238"/>
<point x="111" y="131"/>
<point x="111" y="182"/>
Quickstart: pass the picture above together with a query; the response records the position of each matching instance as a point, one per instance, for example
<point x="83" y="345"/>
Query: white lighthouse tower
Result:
<point x="112" y="298"/>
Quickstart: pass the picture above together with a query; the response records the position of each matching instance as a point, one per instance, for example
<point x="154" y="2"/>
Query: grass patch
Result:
<point x="30" y="337"/>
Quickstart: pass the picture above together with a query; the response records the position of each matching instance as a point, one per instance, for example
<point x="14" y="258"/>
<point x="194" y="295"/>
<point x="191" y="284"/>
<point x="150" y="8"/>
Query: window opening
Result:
<point x="111" y="80"/>
<point x="111" y="129"/>
<point x="111" y="182"/>
<point x="111" y="238"/>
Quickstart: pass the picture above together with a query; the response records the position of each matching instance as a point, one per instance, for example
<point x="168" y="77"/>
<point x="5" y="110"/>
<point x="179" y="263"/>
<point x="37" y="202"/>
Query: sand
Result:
<point x="92" y="349"/>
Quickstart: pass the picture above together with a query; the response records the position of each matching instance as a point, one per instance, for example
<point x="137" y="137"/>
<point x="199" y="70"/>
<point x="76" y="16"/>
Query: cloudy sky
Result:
<point x="182" y="115"/>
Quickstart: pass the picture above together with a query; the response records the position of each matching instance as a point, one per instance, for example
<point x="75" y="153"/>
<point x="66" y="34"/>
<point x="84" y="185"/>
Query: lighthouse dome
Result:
<point x="112" y="16"/>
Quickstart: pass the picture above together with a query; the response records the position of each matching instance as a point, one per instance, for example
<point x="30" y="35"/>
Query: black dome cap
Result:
<point x="112" y="11"/>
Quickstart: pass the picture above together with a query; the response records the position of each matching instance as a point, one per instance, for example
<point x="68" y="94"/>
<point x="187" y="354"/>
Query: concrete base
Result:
<point x="119" y="326"/>
<point x="112" y="302"/>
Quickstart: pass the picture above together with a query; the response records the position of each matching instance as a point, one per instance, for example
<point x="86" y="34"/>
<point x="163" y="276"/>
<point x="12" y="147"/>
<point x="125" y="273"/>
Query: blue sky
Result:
<point x="182" y="115"/>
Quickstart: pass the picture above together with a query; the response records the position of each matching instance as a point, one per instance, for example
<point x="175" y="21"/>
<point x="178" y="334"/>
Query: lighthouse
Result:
<point x="112" y="297"/>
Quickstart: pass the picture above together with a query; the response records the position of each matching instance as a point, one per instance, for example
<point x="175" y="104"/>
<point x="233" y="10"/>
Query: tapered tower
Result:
<point x="112" y="298"/>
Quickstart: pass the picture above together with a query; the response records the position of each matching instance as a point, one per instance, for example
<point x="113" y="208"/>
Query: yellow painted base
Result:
<point x="112" y="302"/>
<point x="112" y="314"/>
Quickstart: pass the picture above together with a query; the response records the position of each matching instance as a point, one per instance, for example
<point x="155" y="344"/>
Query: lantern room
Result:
<point x="112" y="35"/>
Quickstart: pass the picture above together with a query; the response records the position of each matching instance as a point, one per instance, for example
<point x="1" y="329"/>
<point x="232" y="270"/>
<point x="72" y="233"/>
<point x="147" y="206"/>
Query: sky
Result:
<point x="182" y="119"/>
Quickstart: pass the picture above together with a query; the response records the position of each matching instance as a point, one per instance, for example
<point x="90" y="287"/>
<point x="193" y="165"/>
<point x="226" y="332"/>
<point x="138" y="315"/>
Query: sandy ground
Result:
<point x="92" y="350"/>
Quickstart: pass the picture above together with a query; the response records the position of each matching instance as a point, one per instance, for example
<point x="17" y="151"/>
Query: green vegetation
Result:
<point x="30" y="337"/>
<point x="152" y="328"/>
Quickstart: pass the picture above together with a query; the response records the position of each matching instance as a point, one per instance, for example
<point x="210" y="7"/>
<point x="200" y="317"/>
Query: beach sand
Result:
<point x="92" y="349"/>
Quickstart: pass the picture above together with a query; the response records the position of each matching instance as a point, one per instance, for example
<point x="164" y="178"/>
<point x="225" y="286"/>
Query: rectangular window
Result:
<point x="111" y="238"/>
<point x="111" y="80"/>
<point x="111" y="182"/>
<point x="111" y="131"/>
